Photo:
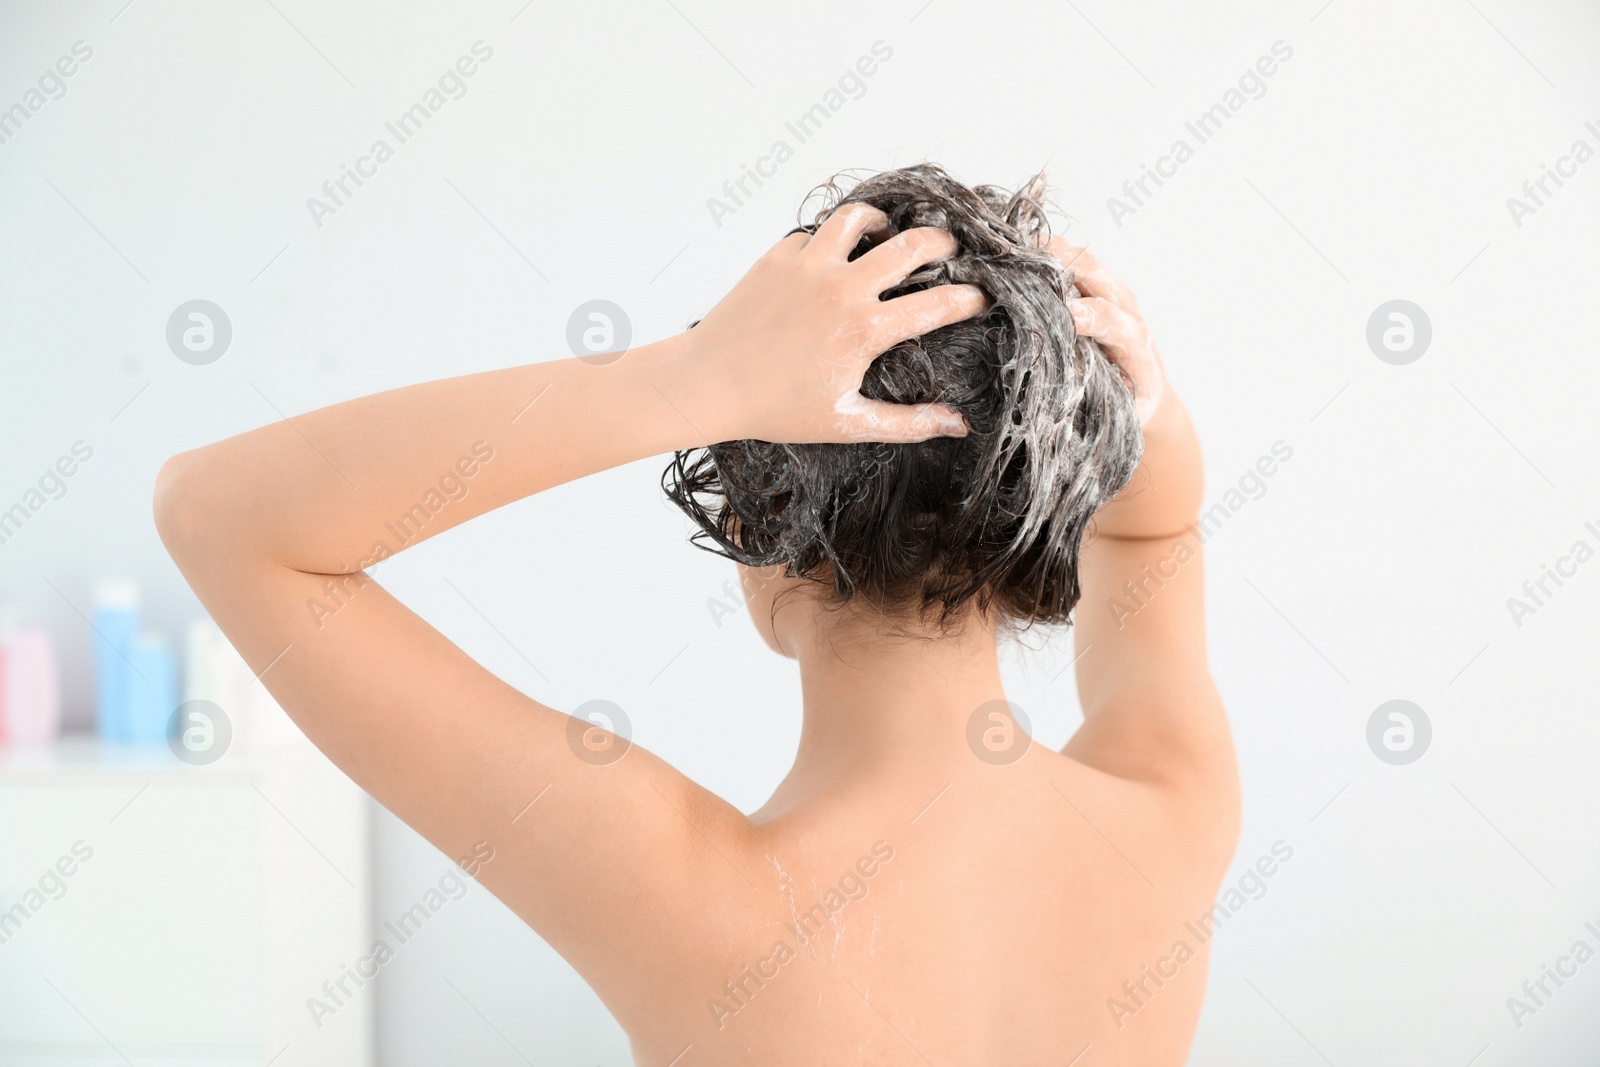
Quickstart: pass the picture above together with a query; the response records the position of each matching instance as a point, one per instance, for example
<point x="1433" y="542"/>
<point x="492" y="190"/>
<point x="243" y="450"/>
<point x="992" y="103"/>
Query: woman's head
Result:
<point x="925" y="532"/>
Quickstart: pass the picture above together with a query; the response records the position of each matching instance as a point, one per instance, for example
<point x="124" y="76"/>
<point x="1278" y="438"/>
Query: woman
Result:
<point x="897" y="424"/>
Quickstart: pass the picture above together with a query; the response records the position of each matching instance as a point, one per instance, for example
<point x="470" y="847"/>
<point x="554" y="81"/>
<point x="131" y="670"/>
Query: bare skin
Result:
<point x="898" y="900"/>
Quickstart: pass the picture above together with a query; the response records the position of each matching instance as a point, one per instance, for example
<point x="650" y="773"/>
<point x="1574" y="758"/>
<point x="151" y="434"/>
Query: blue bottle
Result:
<point x="151" y="691"/>
<point x="114" y="613"/>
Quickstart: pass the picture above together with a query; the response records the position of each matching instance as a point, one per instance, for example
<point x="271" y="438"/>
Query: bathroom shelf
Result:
<point x="204" y="907"/>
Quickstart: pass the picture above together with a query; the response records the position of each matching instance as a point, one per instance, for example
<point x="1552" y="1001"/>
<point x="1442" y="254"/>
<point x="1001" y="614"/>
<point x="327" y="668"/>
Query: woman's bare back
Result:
<point x="974" y="914"/>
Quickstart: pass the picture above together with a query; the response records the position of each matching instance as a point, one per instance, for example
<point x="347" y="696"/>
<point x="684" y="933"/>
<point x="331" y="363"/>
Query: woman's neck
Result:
<point x="880" y="706"/>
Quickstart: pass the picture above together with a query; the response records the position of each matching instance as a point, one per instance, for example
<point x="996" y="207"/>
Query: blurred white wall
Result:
<point x="1374" y="164"/>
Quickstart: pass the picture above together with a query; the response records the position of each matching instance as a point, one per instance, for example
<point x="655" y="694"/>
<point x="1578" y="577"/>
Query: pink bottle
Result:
<point x="30" y="687"/>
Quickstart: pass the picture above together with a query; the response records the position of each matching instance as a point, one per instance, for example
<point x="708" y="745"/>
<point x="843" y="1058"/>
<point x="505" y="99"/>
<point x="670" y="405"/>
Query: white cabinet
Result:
<point x="158" y="913"/>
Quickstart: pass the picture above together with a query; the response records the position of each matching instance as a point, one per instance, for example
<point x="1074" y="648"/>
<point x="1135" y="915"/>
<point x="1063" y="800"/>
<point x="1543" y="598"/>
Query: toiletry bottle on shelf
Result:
<point x="213" y="672"/>
<point x="151" y="695"/>
<point x="30" y="686"/>
<point x="8" y="626"/>
<point x="114" y="612"/>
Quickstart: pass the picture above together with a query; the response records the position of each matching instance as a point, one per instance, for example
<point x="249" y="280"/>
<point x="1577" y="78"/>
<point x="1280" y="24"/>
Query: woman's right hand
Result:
<point x="782" y="356"/>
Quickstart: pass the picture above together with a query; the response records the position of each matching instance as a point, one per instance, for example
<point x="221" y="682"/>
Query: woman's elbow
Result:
<point x="176" y="504"/>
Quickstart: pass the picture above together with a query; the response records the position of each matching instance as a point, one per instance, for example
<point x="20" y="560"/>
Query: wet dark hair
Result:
<point x="996" y="517"/>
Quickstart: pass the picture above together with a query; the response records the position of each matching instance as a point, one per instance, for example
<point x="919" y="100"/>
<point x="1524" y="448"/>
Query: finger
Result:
<point x="843" y="230"/>
<point x="793" y="242"/>
<point x="861" y="419"/>
<point x="923" y="312"/>
<point x="1145" y="401"/>
<point x="1126" y="341"/>
<point x="894" y="260"/>
<point x="1091" y="276"/>
<point x="1118" y="331"/>
<point x="1071" y="256"/>
<point x="790" y="246"/>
